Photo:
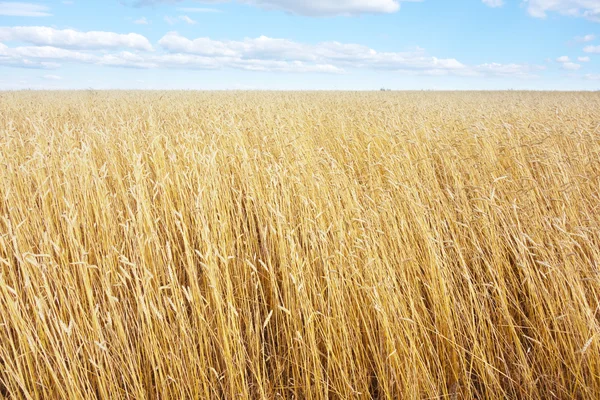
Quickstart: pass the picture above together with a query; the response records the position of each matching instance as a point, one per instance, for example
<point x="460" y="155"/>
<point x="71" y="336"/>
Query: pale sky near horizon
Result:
<point x="300" y="44"/>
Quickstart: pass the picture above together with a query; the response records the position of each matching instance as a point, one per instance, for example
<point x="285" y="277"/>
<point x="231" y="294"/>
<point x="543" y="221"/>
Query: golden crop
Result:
<point x="314" y="245"/>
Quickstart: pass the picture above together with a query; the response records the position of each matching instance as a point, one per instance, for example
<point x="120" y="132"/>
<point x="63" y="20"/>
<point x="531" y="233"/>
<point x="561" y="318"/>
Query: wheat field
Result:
<point x="308" y="245"/>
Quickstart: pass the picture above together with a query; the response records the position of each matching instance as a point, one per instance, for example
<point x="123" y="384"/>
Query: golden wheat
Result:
<point x="299" y="245"/>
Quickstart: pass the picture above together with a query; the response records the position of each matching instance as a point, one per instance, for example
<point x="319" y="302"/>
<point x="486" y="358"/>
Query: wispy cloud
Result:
<point x="493" y="3"/>
<point x="589" y="9"/>
<point x="69" y="38"/>
<point x="340" y="55"/>
<point x="251" y="54"/>
<point x="313" y="8"/>
<point x="592" y="49"/>
<point x="521" y="71"/>
<point x="187" y="19"/>
<point x="141" y="21"/>
<point x="571" y="66"/>
<point x="18" y="9"/>
<point x="182" y="18"/>
<point x="586" y="38"/>
<point x="566" y="63"/>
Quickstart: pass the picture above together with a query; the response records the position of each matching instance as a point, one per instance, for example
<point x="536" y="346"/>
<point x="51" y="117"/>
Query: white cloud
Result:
<point x="68" y="38"/>
<point x="589" y="9"/>
<point x="262" y="54"/>
<point x="592" y="77"/>
<point x="341" y="55"/>
<point x="11" y="59"/>
<point x="52" y="77"/>
<point x="18" y="9"/>
<point x="523" y="71"/>
<point x="583" y="59"/>
<point x="309" y="7"/>
<point x="50" y="53"/>
<point x="141" y="21"/>
<point x="493" y="3"/>
<point x="46" y="57"/>
<point x="570" y="66"/>
<point x="190" y="61"/>
<point x="127" y="59"/>
<point x="330" y="7"/>
<point x="592" y="49"/>
<point x="176" y="43"/>
<point x="567" y="64"/>
<point x="344" y="55"/>
<point x="585" y="39"/>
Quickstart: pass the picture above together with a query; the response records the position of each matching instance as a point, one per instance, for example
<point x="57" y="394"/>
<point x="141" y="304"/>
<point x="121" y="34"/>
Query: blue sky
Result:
<point x="300" y="44"/>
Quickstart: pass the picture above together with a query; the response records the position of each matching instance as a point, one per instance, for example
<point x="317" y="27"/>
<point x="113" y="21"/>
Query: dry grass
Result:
<point x="299" y="245"/>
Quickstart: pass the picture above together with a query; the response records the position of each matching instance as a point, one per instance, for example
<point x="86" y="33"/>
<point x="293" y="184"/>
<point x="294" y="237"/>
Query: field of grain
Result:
<point x="250" y="245"/>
